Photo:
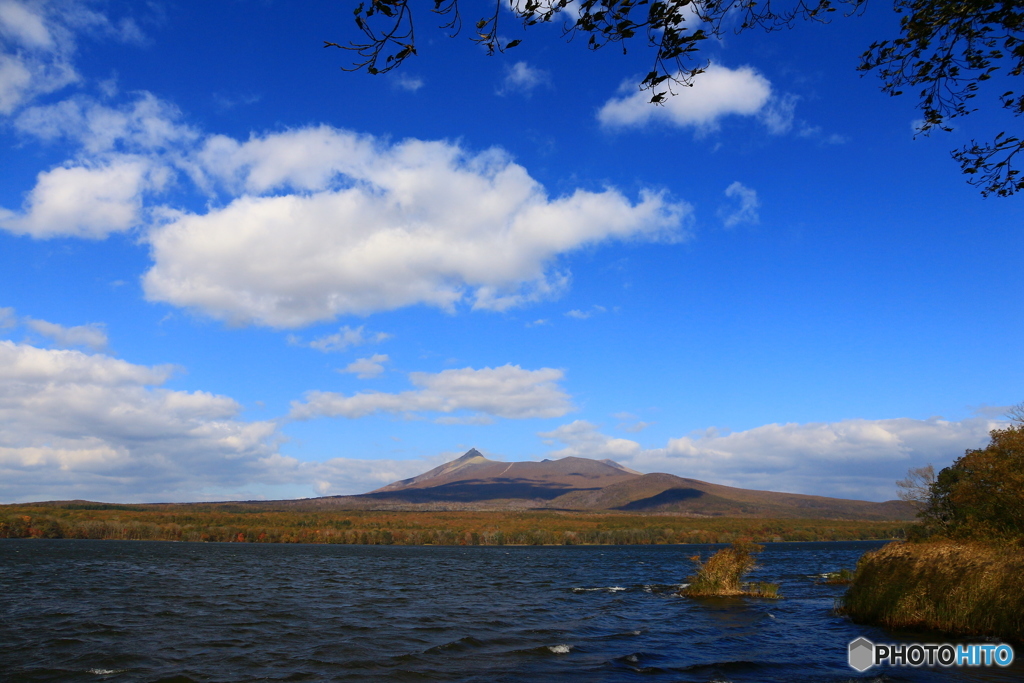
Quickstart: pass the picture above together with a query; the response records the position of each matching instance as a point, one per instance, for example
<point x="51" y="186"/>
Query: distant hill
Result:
<point x="473" y="482"/>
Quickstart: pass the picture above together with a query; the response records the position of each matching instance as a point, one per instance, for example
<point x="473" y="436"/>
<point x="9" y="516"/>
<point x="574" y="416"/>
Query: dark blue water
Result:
<point x="150" y="611"/>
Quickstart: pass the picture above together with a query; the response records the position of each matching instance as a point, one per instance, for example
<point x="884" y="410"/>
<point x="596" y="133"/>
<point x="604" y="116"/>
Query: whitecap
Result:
<point x="105" y="672"/>
<point x="560" y="649"/>
<point x="615" y="589"/>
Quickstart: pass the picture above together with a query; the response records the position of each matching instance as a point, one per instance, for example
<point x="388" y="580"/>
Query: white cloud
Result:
<point x="35" y="54"/>
<point x="583" y="315"/>
<point x="92" y="335"/>
<point x="507" y="391"/>
<point x="38" y="41"/>
<point x="778" y="114"/>
<point x="404" y="81"/>
<point x="583" y="440"/>
<point x="850" y="458"/>
<point x="87" y="201"/>
<point x="744" y="208"/>
<point x="465" y="420"/>
<point x="23" y="24"/>
<point x="7" y="318"/>
<point x="335" y="223"/>
<point x="127" y="153"/>
<point x="344" y="338"/>
<point x="146" y="124"/>
<point x="367" y="368"/>
<point x="347" y="476"/>
<point x="75" y="425"/>
<point x="716" y="93"/>
<point x="522" y="78"/>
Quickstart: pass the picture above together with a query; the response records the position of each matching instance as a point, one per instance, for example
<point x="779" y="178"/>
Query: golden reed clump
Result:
<point x="963" y="588"/>
<point x="721" y="575"/>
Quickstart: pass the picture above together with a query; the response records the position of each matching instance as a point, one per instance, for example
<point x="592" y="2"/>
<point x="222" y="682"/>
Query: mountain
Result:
<point x="474" y="478"/>
<point x="475" y="482"/>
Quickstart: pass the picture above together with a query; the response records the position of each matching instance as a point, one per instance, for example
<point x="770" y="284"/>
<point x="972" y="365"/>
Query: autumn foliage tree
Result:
<point x="981" y="495"/>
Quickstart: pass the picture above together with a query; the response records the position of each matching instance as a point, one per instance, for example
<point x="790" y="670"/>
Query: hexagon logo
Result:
<point x="862" y="654"/>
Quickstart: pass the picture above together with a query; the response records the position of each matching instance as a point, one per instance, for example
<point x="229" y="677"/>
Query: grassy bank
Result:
<point x="955" y="587"/>
<point x="253" y="523"/>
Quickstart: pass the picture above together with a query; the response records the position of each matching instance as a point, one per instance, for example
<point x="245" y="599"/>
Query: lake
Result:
<point x="153" y="611"/>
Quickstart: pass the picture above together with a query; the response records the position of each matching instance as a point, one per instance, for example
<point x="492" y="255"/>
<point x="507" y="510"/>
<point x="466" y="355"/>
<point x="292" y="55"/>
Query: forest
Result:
<point x="256" y="523"/>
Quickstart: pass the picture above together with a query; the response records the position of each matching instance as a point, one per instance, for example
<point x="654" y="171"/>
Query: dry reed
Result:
<point x="953" y="587"/>
<point x="722" y="574"/>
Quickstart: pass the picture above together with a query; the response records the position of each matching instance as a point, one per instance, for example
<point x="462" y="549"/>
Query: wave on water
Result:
<point x="400" y="613"/>
<point x="665" y="588"/>
<point x="455" y="645"/>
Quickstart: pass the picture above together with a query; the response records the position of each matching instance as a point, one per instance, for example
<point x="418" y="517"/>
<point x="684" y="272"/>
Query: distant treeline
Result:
<point x="252" y="523"/>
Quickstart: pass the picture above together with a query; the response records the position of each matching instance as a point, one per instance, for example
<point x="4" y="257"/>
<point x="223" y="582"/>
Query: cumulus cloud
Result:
<point x="507" y="391"/>
<point x="7" y="317"/>
<point x="583" y="439"/>
<point x="87" y="201"/>
<point x="127" y="153"/>
<point x="92" y="336"/>
<point x="335" y="223"/>
<point x="78" y="425"/>
<point x="367" y="368"/>
<point x="522" y="78"/>
<point x="850" y="458"/>
<point x="716" y="93"/>
<point x="744" y="207"/>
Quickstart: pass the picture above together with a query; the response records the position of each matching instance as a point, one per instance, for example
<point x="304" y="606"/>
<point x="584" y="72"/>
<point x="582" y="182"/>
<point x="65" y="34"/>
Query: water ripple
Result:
<point x="122" y="611"/>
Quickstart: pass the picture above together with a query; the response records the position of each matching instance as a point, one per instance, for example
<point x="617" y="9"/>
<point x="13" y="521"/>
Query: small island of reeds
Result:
<point x="721" y="575"/>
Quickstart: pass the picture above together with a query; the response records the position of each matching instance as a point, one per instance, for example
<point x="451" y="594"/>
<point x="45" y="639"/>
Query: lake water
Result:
<point x="150" y="611"/>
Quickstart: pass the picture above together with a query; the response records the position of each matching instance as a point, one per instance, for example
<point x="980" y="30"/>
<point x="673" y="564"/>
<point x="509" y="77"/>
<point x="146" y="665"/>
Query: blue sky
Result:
<point x="230" y="270"/>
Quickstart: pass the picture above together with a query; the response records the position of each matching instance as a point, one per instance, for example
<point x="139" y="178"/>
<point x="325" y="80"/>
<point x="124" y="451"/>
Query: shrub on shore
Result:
<point x="962" y="569"/>
<point x="722" y="574"/>
<point x="980" y="497"/>
<point x="956" y="587"/>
